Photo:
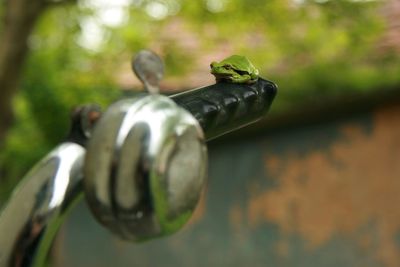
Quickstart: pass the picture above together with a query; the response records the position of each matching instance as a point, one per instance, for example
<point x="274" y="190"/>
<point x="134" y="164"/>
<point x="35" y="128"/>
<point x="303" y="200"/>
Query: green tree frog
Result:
<point x="235" y="69"/>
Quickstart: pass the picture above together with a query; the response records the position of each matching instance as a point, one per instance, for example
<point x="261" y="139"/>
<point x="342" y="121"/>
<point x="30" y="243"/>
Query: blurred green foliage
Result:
<point x="311" y="49"/>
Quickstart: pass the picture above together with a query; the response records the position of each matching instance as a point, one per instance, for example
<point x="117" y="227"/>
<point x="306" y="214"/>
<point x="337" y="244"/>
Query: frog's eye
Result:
<point x="242" y="72"/>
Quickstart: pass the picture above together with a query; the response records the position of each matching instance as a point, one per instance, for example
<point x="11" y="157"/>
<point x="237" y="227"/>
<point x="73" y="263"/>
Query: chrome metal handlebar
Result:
<point x="36" y="209"/>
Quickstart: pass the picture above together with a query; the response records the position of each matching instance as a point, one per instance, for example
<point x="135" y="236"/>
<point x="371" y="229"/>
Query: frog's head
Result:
<point x="222" y="69"/>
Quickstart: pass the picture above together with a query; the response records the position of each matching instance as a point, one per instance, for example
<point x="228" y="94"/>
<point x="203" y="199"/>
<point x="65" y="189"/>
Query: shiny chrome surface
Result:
<point x="145" y="167"/>
<point x="30" y="220"/>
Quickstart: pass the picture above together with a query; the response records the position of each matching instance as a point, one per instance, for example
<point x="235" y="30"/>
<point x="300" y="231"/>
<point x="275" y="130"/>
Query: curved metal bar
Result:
<point x="30" y="220"/>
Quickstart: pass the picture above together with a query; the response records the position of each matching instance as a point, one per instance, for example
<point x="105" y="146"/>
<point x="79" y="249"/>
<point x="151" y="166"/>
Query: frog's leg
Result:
<point x="251" y="81"/>
<point x="241" y="78"/>
<point x="254" y="77"/>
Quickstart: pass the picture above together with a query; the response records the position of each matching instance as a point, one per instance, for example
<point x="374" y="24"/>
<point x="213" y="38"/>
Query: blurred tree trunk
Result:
<point x="18" y="23"/>
<point x="19" y="19"/>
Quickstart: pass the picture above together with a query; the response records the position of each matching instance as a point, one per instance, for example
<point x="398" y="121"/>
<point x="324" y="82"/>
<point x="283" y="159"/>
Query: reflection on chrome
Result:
<point x="145" y="167"/>
<point x="31" y="218"/>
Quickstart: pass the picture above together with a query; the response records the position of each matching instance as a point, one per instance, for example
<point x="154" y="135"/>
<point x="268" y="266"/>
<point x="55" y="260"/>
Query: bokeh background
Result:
<point x="316" y="183"/>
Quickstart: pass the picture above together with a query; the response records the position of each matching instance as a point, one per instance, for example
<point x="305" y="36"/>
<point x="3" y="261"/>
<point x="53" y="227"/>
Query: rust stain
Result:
<point x="273" y="164"/>
<point x="340" y="189"/>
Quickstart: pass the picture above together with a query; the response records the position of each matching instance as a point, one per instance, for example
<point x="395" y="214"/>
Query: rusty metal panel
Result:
<point x="321" y="195"/>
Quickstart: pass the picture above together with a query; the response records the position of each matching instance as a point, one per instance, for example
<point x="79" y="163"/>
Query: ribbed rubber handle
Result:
<point x="224" y="107"/>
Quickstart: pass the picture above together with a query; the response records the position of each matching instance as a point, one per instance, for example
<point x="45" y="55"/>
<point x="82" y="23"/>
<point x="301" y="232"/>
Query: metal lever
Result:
<point x="146" y="162"/>
<point x="149" y="68"/>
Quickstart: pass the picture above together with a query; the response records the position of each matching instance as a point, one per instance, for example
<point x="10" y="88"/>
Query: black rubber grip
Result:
<point x="224" y="107"/>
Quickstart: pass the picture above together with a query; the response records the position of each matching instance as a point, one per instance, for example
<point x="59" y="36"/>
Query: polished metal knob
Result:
<point x="149" y="68"/>
<point x="145" y="167"/>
